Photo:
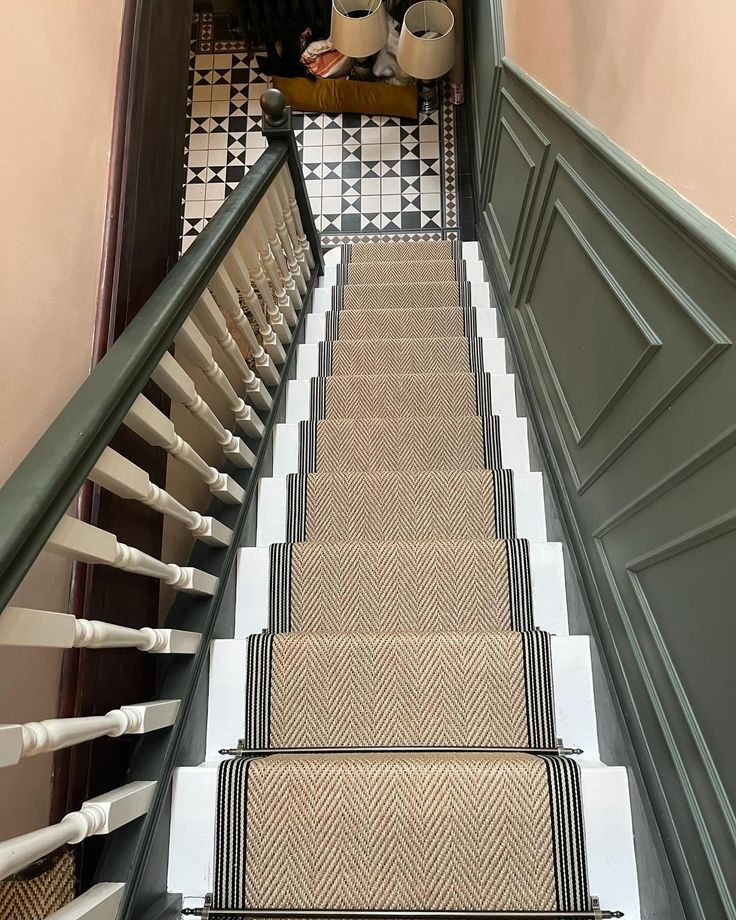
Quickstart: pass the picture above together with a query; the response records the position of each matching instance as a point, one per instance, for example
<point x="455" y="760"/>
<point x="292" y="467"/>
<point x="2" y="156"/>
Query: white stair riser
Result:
<point x="608" y="832"/>
<point x="486" y="322"/>
<point x="503" y="398"/>
<point x="514" y="447"/>
<point x="494" y="359"/>
<point x="474" y="273"/>
<point x="571" y="672"/>
<point x="528" y="502"/>
<point x="549" y="600"/>
<point x="480" y="297"/>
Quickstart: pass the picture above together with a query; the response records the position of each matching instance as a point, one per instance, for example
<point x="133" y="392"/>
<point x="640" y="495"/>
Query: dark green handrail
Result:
<point x="39" y="492"/>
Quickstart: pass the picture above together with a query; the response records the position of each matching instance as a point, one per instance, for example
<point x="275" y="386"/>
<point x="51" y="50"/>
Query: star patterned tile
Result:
<point x="365" y="175"/>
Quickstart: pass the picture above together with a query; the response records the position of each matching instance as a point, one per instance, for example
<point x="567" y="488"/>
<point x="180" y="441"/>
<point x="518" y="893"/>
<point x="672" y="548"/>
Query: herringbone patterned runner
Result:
<point x="402" y="251"/>
<point x="417" y="443"/>
<point x="394" y="587"/>
<point x="321" y="690"/>
<point x="421" y="507"/>
<point x="427" y="295"/>
<point x="402" y="324"/>
<point x="424" y="271"/>
<point x="400" y="356"/>
<point x="400" y="616"/>
<point x="400" y="395"/>
<point x="444" y="831"/>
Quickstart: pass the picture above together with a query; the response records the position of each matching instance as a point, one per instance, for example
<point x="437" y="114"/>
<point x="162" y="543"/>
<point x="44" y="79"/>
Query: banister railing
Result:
<point x="260" y="256"/>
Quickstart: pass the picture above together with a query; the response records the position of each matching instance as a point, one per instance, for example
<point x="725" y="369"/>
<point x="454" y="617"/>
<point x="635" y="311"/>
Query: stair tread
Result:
<point x="399" y="250"/>
<point x="423" y="505"/>
<point x="376" y="357"/>
<point x="473" y="688"/>
<point x="381" y="831"/>
<point x="392" y="296"/>
<point x="411" y="443"/>
<point x="441" y="586"/>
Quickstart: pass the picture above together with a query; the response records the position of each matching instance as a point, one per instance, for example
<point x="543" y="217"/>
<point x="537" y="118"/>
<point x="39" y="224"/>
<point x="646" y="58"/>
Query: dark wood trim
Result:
<point x="140" y="244"/>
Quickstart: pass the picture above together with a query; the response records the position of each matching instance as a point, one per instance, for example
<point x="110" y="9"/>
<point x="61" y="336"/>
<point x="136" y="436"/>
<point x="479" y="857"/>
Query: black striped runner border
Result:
<point x="324" y="364"/>
<point x="337" y="298"/>
<point x="520" y="584"/>
<point x="307" y="447"/>
<point x="491" y="442"/>
<point x="568" y="833"/>
<point x="231" y="832"/>
<point x="503" y="484"/>
<point x="483" y="394"/>
<point x="540" y="703"/>
<point x="470" y="324"/>
<point x="296" y="508"/>
<point x="317" y="398"/>
<point x="259" y="652"/>
<point x="279" y="589"/>
<point x="332" y="326"/>
<point x="475" y="356"/>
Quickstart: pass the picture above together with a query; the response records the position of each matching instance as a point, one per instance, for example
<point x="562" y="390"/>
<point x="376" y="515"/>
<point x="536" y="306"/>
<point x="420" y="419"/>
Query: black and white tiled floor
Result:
<point x="365" y="174"/>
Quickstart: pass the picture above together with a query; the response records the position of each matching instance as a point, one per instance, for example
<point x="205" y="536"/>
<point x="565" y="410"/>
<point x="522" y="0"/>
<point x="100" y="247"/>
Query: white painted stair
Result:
<point x="608" y="825"/>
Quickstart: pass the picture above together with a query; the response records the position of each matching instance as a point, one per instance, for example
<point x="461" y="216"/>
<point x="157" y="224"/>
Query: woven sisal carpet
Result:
<point x="400" y="614"/>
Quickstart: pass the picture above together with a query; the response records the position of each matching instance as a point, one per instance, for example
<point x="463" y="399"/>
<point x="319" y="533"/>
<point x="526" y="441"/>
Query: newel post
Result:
<point x="277" y="126"/>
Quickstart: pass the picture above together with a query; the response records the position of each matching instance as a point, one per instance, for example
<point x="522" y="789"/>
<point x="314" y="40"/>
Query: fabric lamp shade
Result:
<point x="359" y="36"/>
<point x="427" y="41"/>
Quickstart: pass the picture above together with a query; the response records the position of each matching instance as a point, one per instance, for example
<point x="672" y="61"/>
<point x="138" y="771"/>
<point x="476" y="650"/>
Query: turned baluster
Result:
<point x="238" y="272"/>
<point x="265" y="215"/>
<point x="148" y="423"/>
<point x="101" y="815"/>
<point x="22" y="626"/>
<point x="285" y="177"/>
<point x="32" y="738"/>
<point x="118" y="475"/>
<point x="245" y="247"/>
<point x="294" y="250"/>
<point x="179" y="387"/>
<point x="227" y="299"/>
<point x="77" y="540"/>
<point x="253" y="244"/>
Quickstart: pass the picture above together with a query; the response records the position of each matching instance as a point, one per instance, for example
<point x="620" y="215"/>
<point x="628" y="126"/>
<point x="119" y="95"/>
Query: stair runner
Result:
<point x="401" y="617"/>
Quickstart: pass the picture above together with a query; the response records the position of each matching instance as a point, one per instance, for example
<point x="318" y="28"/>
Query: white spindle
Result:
<point x="246" y="249"/>
<point x="263" y="267"/>
<point x="101" y="902"/>
<point x="224" y="293"/>
<point x="238" y="272"/>
<point x="101" y="815"/>
<point x="78" y="540"/>
<point x="295" y="268"/>
<point x="152" y="425"/>
<point x="118" y="475"/>
<point x="285" y="177"/>
<point x="180" y="388"/>
<point x="19" y="741"/>
<point x="22" y="626"/>
<point x="279" y="187"/>
<point x="265" y="214"/>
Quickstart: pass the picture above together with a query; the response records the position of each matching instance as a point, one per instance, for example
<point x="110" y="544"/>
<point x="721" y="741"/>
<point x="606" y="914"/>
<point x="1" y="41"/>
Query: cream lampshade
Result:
<point x="361" y="36"/>
<point x="427" y="58"/>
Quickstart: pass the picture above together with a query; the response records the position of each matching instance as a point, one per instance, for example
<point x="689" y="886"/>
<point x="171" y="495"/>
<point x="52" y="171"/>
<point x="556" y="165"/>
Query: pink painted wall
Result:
<point x="658" y="77"/>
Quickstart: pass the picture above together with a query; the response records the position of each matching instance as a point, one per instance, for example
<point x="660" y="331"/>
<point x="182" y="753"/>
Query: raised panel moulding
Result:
<point x="628" y="359"/>
<point x="646" y="291"/>
<point x="516" y="193"/>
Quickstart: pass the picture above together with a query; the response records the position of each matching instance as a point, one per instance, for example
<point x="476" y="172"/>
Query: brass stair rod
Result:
<point x="211" y="913"/>
<point x="242" y="751"/>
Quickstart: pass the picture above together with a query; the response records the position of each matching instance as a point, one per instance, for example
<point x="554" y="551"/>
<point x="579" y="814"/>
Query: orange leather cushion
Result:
<point x="348" y="96"/>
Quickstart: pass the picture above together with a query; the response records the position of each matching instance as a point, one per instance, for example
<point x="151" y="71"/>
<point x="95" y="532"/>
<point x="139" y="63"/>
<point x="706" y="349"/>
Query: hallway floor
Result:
<point x="366" y="175"/>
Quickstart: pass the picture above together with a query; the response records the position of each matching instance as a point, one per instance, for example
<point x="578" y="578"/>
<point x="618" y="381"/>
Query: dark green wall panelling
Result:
<point x="620" y="303"/>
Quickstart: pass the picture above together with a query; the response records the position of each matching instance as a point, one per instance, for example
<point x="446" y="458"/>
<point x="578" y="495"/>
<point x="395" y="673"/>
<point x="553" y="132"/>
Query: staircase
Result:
<point x="401" y="640"/>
